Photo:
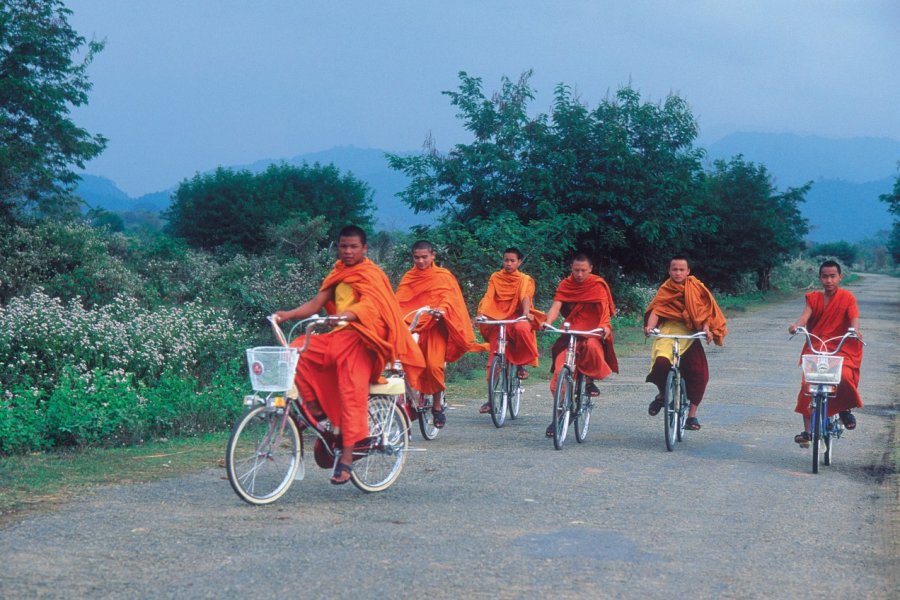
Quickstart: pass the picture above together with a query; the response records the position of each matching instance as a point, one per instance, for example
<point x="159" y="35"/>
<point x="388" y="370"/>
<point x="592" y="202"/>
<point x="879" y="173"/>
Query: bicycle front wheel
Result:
<point x="513" y="391"/>
<point x="817" y="432"/>
<point x="263" y="455"/>
<point x="581" y="406"/>
<point x="379" y="459"/>
<point x="497" y="390"/>
<point x="683" y="408"/>
<point x="670" y="417"/>
<point x="562" y="407"/>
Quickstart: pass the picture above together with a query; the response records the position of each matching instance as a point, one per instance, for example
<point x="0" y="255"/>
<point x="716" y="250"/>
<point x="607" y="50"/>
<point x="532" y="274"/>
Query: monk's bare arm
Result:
<point x="854" y="323"/>
<point x="306" y="309"/>
<point x="652" y="322"/>
<point x="553" y="313"/>
<point x="526" y="309"/>
<point x="801" y="322"/>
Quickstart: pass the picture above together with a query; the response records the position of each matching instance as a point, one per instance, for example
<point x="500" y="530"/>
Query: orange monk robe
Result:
<point x="442" y="340"/>
<point x="337" y="368"/>
<point x="831" y="321"/>
<point x="690" y="303"/>
<point x="586" y="305"/>
<point x="502" y="301"/>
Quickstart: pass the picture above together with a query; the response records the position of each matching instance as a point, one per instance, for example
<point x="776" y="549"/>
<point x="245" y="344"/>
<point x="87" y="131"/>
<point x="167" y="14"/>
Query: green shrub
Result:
<point x="22" y="423"/>
<point x="94" y="408"/>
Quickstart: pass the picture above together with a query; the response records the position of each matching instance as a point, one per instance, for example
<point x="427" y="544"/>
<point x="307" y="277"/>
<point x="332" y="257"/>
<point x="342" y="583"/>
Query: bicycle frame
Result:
<point x="284" y="403"/>
<point x="573" y="339"/>
<point x="675" y="414"/>
<point x="569" y="397"/>
<point x="416" y="404"/>
<point x="509" y="393"/>
<point x="821" y="377"/>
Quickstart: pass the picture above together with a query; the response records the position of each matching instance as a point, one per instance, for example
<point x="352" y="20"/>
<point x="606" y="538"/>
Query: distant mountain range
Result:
<point x="848" y="175"/>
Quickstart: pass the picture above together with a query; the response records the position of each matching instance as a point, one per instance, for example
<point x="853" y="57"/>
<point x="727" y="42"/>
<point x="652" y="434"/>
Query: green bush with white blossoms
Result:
<point x="115" y="374"/>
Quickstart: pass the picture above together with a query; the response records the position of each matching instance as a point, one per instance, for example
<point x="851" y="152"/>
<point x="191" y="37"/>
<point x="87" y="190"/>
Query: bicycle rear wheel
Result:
<point x="426" y="419"/>
<point x="670" y="416"/>
<point x="497" y="390"/>
<point x="562" y="407"/>
<point x="263" y="455"/>
<point x="829" y="441"/>
<point x="581" y="406"/>
<point x="378" y="460"/>
<point x="514" y="391"/>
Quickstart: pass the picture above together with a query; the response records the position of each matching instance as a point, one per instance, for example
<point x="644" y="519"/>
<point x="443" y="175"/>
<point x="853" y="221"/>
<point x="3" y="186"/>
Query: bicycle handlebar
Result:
<point x="851" y="334"/>
<point x="312" y="325"/>
<point x="434" y="312"/>
<point x="697" y="335"/>
<point x="598" y="332"/>
<point x="484" y="321"/>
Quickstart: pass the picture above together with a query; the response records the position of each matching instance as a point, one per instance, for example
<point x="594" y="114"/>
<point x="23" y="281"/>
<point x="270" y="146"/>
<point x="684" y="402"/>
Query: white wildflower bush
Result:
<point x="72" y="375"/>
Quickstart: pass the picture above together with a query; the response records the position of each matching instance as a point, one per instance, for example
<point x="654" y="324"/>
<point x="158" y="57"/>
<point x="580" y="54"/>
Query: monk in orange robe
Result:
<point x="830" y="313"/>
<point x="586" y="303"/>
<point x="334" y="373"/>
<point x="682" y="306"/>
<point x="442" y="339"/>
<point x="510" y="294"/>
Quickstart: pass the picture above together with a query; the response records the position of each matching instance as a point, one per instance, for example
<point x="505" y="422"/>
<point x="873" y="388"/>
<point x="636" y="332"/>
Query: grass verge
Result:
<point x="42" y="481"/>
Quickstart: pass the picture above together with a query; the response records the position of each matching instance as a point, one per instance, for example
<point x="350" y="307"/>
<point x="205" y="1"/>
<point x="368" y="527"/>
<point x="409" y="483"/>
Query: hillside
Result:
<point x="843" y="204"/>
<point x="793" y="160"/>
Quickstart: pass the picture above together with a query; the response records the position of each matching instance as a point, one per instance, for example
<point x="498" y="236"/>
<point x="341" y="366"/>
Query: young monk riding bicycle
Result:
<point x="334" y="374"/>
<point x="442" y="339"/>
<point x="586" y="303"/>
<point x="510" y="294"/>
<point x="682" y="306"/>
<point x="829" y="314"/>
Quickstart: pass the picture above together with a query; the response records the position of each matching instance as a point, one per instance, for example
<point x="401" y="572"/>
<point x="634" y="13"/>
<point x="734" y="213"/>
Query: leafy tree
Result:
<point x="626" y="173"/>
<point x="843" y="251"/>
<point x="893" y="202"/>
<point x="43" y="74"/>
<point x="755" y="227"/>
<point x="233" y="209"/>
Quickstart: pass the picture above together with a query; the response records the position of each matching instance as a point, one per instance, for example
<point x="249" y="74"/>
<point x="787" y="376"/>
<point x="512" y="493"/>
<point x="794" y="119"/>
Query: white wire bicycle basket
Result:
<point x="822" y="369"/>
<point x="272" y="368"/>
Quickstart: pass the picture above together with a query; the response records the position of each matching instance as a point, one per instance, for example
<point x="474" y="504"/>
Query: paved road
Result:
<point x="734" y="512"/>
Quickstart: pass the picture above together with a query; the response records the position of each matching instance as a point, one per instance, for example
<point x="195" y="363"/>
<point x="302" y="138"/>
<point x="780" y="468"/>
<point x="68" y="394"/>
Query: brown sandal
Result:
<point x="339" y="470"/>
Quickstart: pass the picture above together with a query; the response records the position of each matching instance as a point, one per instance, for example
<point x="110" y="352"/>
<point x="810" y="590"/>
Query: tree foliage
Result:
<point x="43" y="74"/>
<point x="625" y="175"/>
<point x="234" y="209"/>
<point x="755" y="227"/>
<point x="845" y="252"/>
<point x="893" y="202"/>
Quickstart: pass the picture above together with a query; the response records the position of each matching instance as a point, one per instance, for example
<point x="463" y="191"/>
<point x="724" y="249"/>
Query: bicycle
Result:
<point x="264" y="455"/>
<point x="675" y="399"/>
<point x="571" y="399"/>
<point x="504" y="387"/>
<point x="418" y="405"/>
<point x="822" y="371"/>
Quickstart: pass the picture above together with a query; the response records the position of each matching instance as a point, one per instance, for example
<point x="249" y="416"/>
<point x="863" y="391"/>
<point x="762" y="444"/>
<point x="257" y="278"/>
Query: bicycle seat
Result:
<point x="395" y="386"/>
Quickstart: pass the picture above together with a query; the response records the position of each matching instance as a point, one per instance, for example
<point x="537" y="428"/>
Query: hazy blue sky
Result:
<point x="186" y="85"/>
